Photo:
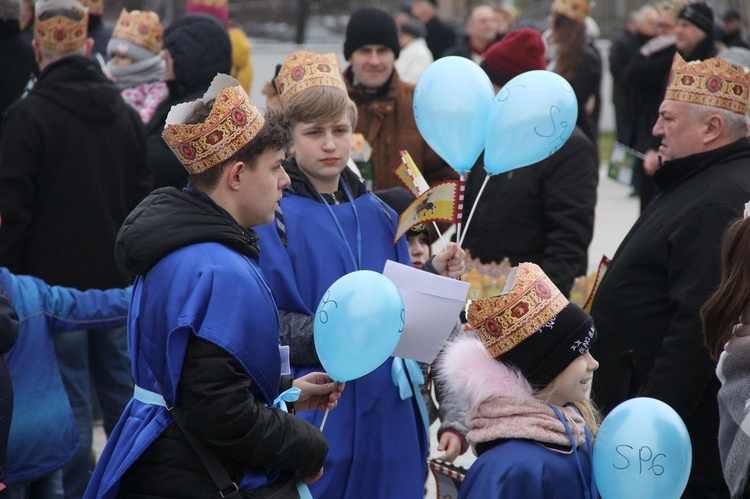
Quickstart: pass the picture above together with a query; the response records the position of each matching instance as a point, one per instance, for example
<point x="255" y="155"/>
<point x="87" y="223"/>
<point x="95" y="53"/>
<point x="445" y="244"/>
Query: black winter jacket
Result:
<point x="542" y="213"/>
<point x="72" y="166"/>
<point x="647" y="307"/>
<point x="242" y="432"/>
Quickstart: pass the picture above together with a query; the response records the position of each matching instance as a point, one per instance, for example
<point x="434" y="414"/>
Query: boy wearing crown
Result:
<point x="647" y="306"/>
<point x="203" y="331"/>
<point x="329" y="225"/>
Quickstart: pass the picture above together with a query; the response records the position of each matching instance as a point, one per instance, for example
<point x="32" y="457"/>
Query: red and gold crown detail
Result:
<point x="96" y="7"/>
<point x="140" y="27"/>
<point x="303" y="70"/>
<point x="576" y="10"/>
<point x="502" y="322"/>
<point x="217" y="4"/>
<point x="62" y="33"/>
<point x="232" y="124"/>
<point x="712" y="82"/>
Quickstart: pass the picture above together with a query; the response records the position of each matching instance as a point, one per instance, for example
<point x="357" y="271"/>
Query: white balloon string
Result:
<point x="325" y="416"/>
<point x="474" y="207"/>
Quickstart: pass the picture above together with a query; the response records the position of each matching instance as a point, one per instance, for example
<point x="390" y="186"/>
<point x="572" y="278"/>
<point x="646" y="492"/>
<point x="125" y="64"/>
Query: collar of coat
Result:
<point x="678" y="170"/>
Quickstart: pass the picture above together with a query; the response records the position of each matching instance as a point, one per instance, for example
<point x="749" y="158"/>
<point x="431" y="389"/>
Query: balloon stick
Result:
<point x="440" y="235"/>
<point x="474" y="207"/>
<point x="325" y="416"/>
<point x="458" y="228"/>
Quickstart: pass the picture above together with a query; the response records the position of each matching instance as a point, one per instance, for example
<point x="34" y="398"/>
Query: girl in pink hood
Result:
<point x="525" y="380"/>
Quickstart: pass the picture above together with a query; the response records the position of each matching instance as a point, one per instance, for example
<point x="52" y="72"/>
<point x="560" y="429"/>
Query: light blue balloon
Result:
<point x="358" y="324"/>
<point x="530" y="119"/>
<point x="642" y="450"/>
<point x="451" y="106"/>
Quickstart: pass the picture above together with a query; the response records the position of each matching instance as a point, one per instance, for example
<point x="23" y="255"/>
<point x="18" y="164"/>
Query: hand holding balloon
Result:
<point x="319" y="391"/>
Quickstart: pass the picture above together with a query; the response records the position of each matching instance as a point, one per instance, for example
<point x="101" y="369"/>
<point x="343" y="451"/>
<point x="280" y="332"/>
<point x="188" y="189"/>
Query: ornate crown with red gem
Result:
<point x="713" y="82"/>
<point x="576" y="10"/>
<point x="303" y="70"/>
<point x="96" y="7"/>
<point x="232" y="124"/>
<point x="61" y="25"/>
<point x="141" y="27"/>
<point x="502" y="322"/>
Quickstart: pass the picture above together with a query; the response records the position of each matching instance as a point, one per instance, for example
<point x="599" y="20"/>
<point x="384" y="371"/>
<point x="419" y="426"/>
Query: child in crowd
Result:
<point x="135" y="63"/>
<point x="43" y="435"/>
<point x="452" y="431"/>
<point x="328" y="225"/>
<point x="525" y="383"/>
<point x="726" y="327"/>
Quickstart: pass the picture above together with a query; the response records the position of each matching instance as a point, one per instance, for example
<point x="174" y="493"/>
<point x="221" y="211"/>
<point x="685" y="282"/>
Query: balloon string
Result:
<point x="325" y="416"/>
<point x="474" y="207"/>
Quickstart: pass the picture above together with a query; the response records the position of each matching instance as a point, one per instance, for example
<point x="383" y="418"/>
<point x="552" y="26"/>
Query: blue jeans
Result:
<point x="95" y="358"/>
<point x="46" y="487"/>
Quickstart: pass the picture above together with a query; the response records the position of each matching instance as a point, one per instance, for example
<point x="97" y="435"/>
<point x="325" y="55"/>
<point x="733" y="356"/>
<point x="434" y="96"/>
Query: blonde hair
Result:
<point x="590" y="413"/>
<point x="320" y="105"/>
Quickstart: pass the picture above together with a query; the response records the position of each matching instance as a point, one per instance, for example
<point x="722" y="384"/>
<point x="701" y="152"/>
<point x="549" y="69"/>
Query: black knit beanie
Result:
<point x="546" y="353"/>
<point x="371" y="26"/>
<point x="699" y="14"/>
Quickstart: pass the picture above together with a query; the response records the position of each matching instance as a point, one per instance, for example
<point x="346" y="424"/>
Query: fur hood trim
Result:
<point x="471" y="375"/>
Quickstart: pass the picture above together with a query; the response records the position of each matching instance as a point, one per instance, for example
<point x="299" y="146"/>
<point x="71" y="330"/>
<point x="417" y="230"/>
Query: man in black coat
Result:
<point x="542" y="213"/>
<point x="624" y="49"/>
<point x="647" y="307"/>
<point x="72" y="166"/>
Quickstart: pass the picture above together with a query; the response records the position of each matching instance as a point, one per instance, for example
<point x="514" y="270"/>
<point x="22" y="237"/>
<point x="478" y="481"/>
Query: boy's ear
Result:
<point x="233" y="174"/>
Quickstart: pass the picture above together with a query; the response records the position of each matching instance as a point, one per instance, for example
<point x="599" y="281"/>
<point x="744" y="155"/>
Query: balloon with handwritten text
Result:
<point x="358" y="324"/>
<point x="530" y="118"/>
<point x="642" y="450"/>
<point x="451" y="105"/>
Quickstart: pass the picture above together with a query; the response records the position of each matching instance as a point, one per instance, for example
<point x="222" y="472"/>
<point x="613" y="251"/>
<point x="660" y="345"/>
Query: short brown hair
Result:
<point x="275" y="135"/>
<point x="320" y="105"/>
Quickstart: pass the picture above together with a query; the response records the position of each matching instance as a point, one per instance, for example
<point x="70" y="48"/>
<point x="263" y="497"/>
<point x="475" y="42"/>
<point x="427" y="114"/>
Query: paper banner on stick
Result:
<point x="409" y="175"/>
<point x="442" y="203"/>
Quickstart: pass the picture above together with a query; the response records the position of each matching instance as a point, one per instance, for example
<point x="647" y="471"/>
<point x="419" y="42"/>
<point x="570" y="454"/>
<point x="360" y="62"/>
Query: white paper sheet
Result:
<point x="432" y="305"/>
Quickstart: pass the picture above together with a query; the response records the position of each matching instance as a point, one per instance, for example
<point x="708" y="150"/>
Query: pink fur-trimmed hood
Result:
<point x="472" y="375"/>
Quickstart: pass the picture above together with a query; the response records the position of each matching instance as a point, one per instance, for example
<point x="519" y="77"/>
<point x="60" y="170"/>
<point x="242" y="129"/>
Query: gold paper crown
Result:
<point x="61" y="33"/>
<point x="232" y="124"/>
<point x="217" y="4"/>
<point x="96" y="7"/>
<point x="713" y="82"/>
<point x="140" y="27"/>
<point x="303" y="70"/>
<point x="502" y="322"/>
<point x="576" y="10"/>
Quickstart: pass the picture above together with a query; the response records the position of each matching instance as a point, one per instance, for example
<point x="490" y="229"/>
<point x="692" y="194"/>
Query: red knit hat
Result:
<point x="519" y="51"/>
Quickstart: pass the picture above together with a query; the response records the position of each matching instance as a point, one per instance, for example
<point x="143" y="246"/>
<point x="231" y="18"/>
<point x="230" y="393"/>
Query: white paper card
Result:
<point x="432" y="305"/>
